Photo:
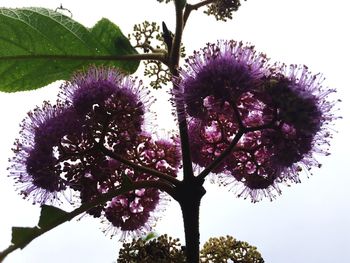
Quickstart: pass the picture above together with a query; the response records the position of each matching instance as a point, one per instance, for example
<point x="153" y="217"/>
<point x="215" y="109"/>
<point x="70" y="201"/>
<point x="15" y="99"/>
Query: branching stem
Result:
<point x="189" y="8"/>
<point x="229" y="149"/>
<point x="221" y="157"/>
<point x="85" y="207"/>
<point x="167" y="178"/>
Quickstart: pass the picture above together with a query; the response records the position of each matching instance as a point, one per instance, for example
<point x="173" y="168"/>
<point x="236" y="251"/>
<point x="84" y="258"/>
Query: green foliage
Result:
<point x="111" y="37"/>
<point x="150" y="236"/>
<point x="21" y="236"/>
<point x="49" y="215"/>
<point x="39" y="46"/>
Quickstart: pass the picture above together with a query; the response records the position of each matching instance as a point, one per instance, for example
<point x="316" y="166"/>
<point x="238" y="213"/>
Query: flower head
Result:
<point x="249" y="162"/>
<point x="57" y="147"/>
<point x="92" y="87"/>
<point x="111" y="103"/>
<point x="134" y="212"/>
<point x="280" y="116"/>
<point x="303" y="113"/>
<point x="223" y="70"/>
<point x="228" y="249"/>
<point x="35" y="165"/>
<point x="211" y="136"/>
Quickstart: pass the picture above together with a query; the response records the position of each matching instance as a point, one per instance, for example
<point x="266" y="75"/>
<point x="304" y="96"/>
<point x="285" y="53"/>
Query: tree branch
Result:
<point x="189" y="8"/>
<point x="87" y="206"/>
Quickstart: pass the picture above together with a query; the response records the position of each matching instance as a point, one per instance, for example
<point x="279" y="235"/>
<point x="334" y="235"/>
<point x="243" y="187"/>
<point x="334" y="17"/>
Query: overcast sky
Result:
<point x="309" y="223"/>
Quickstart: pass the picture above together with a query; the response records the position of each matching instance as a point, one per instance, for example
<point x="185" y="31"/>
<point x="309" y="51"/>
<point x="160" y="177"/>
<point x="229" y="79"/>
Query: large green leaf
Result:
<point x="113" y="40"/>
<point x="39" y="46"/>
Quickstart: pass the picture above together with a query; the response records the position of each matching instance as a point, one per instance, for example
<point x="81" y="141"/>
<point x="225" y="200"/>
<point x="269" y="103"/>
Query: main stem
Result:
<point x="190" y="192"/>
<point x="189" y="196"/>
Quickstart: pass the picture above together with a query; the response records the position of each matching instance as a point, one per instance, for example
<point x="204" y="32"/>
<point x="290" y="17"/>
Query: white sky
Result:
<point x="309" y="223"/>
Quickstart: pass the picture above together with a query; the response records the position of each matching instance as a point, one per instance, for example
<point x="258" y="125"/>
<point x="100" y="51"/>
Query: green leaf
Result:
<point x="21" y="236"/>
<point x="50" y="215"/>
<point x="113" y="40"/>
<point x="39" y="46"/>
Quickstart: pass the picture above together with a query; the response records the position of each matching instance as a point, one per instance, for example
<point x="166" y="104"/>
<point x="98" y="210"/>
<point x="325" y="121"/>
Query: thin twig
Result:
<point x="221" y="157"/>
<point x="168" y="178"/>
<point x="87" y="206"/>
<point x="189" y="8"/>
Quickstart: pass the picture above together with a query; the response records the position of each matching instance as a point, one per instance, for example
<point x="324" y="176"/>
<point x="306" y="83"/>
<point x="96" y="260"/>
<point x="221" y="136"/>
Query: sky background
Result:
<point x="309" y="223"/>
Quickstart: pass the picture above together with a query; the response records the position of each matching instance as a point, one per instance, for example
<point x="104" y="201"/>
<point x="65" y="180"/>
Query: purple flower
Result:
<point x="92" y="87"/>
<point x="35" y="165"/>
<point x="111" y="103"/>
<point x="211" y="136"/>
<point x="283" y="115"/>
<point x="96" y="85"/>
<point x="224" y="70"/>
<point x="162" y="155"/>
<point x="57" y="146"/>
<point x="134" y="212"/>
<point x="303" y="113"/>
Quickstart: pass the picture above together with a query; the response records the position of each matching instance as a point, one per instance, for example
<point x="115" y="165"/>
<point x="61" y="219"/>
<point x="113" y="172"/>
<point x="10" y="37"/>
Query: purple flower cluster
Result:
<point x="35" y="164"/>
<point x="100" y="114"/>
<point x="135" y="209"/>
<point x="279" y="114"/>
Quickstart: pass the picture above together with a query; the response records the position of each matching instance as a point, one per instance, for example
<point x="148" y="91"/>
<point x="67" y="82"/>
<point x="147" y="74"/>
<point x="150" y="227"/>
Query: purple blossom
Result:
<point x="97" y="85"/>
<point x="223" y="70"/>
<point x="92" y="87"/>
<point x="283" y="115"/>
<point x="211" y="136"/>
<point x="56" y="149"/>
<point x="134" y="212"/>
<point x="162" y="154"/>
<point x="111" y="103"/>
<point x="35" y="164"/>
